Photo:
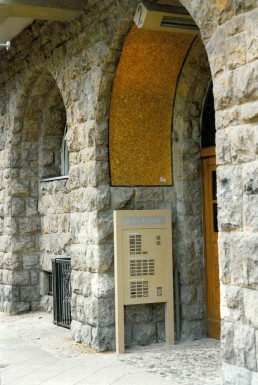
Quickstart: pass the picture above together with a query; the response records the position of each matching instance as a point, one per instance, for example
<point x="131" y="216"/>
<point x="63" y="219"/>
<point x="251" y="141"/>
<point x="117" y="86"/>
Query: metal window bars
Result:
<point x="62" y="291"/>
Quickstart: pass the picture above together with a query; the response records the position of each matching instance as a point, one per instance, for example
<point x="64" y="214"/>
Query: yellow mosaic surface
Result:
<point x="141" y="107"/>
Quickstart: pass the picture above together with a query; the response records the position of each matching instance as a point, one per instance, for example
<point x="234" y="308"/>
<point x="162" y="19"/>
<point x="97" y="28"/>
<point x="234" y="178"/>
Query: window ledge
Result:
<point x="54" y="178"/>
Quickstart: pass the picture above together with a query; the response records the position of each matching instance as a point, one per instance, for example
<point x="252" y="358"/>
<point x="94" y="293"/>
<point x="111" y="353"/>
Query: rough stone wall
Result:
<point x="74" y="217"/>
<point x="41" y="220"/>
<point x="233" y="58"/>
<point x="188" y="228"/>
<point x="230" y="35"/>
<point x="82" y="56"/>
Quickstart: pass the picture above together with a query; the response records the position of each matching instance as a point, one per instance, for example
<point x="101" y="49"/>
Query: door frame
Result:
<point x="213" y="327"/>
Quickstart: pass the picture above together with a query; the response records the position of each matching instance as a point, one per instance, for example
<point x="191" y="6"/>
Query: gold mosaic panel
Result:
<point x="141" y="107"/>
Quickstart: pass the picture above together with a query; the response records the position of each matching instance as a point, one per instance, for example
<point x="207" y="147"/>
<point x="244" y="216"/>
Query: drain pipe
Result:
<point x="177" y="304"/>
<point x="6" y="45"/>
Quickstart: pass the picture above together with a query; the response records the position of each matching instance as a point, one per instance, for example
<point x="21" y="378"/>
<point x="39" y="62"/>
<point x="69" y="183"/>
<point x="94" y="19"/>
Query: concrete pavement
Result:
<point x="33" y="351"/>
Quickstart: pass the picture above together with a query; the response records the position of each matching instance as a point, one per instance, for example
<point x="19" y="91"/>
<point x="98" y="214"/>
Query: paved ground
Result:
<point x="33" y="351"/>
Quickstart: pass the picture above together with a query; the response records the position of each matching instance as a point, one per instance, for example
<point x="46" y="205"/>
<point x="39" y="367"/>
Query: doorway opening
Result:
<point x="210" y="217"/>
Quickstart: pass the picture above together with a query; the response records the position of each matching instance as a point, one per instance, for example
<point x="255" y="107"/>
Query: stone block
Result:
<point x="18" y="206"/>
<point x="192" y="312"/>
<point x="188" y="295"/>
<point x="193" y="329"/>
<point x="78" y="257"/>
<point x="249" y="112"/>
<point x="161" y="332"/>
<point x="34" y="277"/>
<point x="251" y="311"/>
<point x="233" y="375"/>
<point x="224" y="247"/>
<point x="20" y="188"/>
<point x="45" y="262"/>
<point x="96" y="199"/>
<point x="21" y="278"/>
<point x="5" y="243"/>
<point x="244" y="83"/>
<point x="106" y="85"/>
<point x="106" y="312"/>
<point x="100" y="258"/>
<point x="250" y="212"/>
<point x="256" y="337"/>
<point x="86" y="335"/>
<point x="54" y="244"/>
<point x="122" y="198"/>
<point x="128" y="335"/>
<point x="242" y="144"/>
<point x="35" y="305"/>
<point x="10" y="293"/>
<point x="20" y="307"/>
<point x="217" y="53"/>
<point x="138" y="313"/>
<point x="228" y="352"/>
<point x="103" y="338"/>
<point x="251" y="33"/>
<point x="254" y="378"/>
<point x="245" y="348"/>
<point x="29" y="293"/>
<point x="10" y="261"/>
<point x="31" y="261"/>
<point x="236" y="50"/>
<point x="43" y="283"/>
<point x="192" y="274"/>
<point x="144" y="334"/>
<point x="244" y="260"/>
<point x="97" y="173"/>
<point x="185" y="251"/>
<point x="28" y="225"/>
<point x="91" y="311"/>
<point x="236" y="25"/>
<point x="229" y="181"/>
<point x="11" y="226"/>
<point x="223" y="147"/>
<point x="222" y="90"/>
<point x="81" y="283"/>
<point x="158" y="312"/>
<point x="249" y="175"/>
<point x="76" y="328"/>
<point x="231" y="303"/>
<point x="7" y="277"/>
<point x="103" y="285"/>
<point x="100" y="227"/>
<point x="77" y="308"/>
<point x="24" y="243"/>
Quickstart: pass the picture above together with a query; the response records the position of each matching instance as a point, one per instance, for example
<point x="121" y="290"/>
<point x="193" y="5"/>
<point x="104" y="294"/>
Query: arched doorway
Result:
<point x="132" y="125"/>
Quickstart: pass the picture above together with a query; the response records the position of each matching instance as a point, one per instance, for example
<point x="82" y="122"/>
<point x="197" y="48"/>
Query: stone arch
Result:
<point x="193" y="322"/>
<point x="35" y="154"/>
<point x="191" y="90"/>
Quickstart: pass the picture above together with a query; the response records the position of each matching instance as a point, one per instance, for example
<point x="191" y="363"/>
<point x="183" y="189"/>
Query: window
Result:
<point x="50" y="284"/>
<point x="64" y="155"/>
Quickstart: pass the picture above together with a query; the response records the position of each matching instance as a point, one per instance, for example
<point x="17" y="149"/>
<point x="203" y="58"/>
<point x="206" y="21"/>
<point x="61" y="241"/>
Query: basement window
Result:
<point x="50" y="284"/>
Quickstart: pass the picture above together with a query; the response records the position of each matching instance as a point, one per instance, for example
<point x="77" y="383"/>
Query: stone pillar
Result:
<point x="233" y="57"/>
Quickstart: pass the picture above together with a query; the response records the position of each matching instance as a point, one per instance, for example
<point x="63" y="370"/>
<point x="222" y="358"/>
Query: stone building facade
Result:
<point x="61" y="76"/>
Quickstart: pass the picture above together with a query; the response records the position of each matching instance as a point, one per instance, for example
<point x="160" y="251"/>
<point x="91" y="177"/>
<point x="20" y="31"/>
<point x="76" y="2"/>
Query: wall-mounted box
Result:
<point x="143" y="264"/>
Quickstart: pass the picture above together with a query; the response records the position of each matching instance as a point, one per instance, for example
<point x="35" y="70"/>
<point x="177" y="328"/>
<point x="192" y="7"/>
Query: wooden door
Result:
<point x="211" y="243"/>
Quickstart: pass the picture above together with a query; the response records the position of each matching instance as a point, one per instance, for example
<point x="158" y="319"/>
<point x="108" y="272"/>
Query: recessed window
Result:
<point x="50" y="284"/>
<point x="64" y="155"/>
<point x="208" y="120"/>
